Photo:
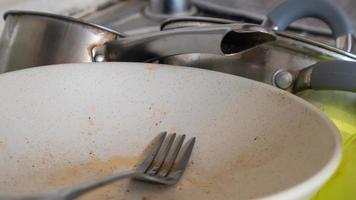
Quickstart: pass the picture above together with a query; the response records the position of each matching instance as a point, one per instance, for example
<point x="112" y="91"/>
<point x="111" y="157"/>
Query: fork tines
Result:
<point x="167" y="157"/>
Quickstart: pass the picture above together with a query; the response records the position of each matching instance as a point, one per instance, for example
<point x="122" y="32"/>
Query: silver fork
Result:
<point x="164" y="163"/>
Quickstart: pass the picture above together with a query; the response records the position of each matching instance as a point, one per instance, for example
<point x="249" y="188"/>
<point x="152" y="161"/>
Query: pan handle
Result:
<point x="291" y="10"/>
<point x="329" y="75"/>
<point x="218" y="39"/>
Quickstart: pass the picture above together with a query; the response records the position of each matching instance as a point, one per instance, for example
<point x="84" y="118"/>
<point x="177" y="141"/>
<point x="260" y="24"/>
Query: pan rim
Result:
<point x="298" y="190"/>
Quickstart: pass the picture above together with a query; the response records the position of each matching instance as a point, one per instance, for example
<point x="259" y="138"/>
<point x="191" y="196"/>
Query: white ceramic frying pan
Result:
<point x="65" y="124"/>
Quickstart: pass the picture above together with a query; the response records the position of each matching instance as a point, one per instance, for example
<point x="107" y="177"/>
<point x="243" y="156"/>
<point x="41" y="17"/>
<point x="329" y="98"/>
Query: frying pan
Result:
<point x="63" y="124"/>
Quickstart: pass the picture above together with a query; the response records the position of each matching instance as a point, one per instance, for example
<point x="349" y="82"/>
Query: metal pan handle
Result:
<point x="291" y="10"/>
<point x="218" y="39"/>
<point x="329" y="75"/>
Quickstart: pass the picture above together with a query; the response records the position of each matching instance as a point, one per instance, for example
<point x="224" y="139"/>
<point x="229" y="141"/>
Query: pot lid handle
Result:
<point x="291" y="10"/>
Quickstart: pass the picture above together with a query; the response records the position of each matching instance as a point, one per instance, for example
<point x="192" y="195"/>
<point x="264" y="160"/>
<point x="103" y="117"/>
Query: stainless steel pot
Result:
<point x="279" y="62"/>
<point x="286" y="60"/>
<point x="33" y="39"/>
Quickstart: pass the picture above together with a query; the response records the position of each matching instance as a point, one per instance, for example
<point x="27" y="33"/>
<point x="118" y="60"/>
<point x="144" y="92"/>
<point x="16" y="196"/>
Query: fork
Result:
<point x="164" y="163"/>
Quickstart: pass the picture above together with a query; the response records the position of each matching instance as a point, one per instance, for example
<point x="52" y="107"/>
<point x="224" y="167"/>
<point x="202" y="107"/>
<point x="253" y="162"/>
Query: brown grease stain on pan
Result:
<point x="2" y="143"/>
<point x="91" y="121"/>
<point x="91" y="170"/>
<point x="151" y="68"/>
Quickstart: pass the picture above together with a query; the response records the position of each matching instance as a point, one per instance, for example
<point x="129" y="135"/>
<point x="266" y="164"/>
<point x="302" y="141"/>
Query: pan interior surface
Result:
<point x="65" y="124"/>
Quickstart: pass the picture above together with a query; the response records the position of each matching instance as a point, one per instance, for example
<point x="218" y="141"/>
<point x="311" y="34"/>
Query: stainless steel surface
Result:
<point x="345" y="42"/>
<point x="283" y="79"/>
<point x="164" y="9"/>
<point x="304" y="79"/>
<point x="192" y="35"/>
<point x="170" y="7"/>
<point x="127" y="16"/>
<point x="289" y="52"/>
<point x="95" y="44"/>
<point x="238" y="48"/>
<point x="223" y="40"/>
<point x="164" y="163"/>
<point x="180" y="22"/>
<point x="258" y="9"/>
<point x="157" y="16"/>
<point x="34" y="39"/>
<point x="246" y="10"/>
<point x="262" y="62"/>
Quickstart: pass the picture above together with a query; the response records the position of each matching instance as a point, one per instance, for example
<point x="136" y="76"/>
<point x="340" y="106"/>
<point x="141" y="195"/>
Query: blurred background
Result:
<point x="128" y="15"/>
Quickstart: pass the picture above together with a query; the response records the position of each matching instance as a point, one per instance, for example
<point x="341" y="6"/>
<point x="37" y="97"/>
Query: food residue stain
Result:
<point x="91" y="170"/>
<point x="157" y="117"/>
<point x="91" y="121"/>
<point x="151" y="68"/>
<point x="147" y="198"/>
<point x="173" y="130"/>
<point x="2" y="144"/>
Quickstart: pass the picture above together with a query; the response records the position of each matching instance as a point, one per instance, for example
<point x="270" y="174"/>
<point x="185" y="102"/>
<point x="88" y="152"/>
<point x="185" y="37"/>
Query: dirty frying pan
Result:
<point x="65" y="124"/>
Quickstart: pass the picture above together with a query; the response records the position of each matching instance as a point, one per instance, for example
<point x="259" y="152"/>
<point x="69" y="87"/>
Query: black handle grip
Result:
<point x="292" y="10"/>
<point x="334" y="75"/>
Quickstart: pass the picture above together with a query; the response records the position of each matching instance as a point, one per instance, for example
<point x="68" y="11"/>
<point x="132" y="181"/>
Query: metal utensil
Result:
<point x="164" y="163"/>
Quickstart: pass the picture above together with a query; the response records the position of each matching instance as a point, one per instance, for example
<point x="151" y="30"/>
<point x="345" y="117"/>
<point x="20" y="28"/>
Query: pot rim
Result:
<point x="61" y="17"/>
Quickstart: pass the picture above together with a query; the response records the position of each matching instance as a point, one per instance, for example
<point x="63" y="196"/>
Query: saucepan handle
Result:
<point x="291" y="10"/>
<point x="219" y="39"/>
<point x="329" y="75"/>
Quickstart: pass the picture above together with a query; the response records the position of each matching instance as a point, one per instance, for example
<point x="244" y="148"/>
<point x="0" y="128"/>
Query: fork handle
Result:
<point x="78" y="190"/>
